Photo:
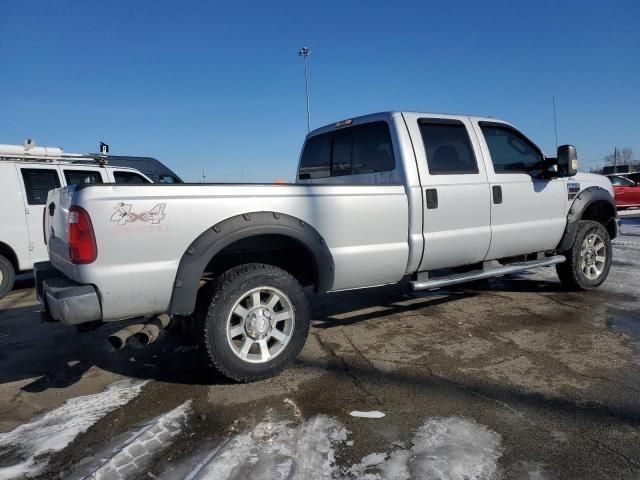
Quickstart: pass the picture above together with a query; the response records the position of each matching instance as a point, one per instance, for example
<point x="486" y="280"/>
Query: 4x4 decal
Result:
<point x="124" y="215"/>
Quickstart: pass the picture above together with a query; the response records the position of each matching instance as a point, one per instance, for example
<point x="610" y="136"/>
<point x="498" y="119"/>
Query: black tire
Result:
<point x="213" y="314"/>
<point x="570" y="272"/>
<point x="7" y="276"/>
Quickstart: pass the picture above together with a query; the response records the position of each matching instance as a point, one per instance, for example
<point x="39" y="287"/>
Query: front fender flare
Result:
<point x="204" y="248"/>
<point x="585" y="198"/>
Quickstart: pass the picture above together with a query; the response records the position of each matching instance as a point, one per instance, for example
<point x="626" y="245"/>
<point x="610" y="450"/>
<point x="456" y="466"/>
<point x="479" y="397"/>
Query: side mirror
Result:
<point x="567" y="160"/>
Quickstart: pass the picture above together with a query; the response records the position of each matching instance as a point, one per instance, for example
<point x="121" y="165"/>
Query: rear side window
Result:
<point x="38" y="182"/>
<point x="448" y="148"/>
<point x="355" y="150"/>
<point x="129" y="178"/>
<point x="76" y="177"/>
<point x="511" y="152"/>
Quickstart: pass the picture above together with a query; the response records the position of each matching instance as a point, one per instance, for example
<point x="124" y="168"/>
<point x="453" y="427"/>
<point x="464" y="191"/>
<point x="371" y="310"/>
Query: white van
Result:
<point x="27" y="173"/>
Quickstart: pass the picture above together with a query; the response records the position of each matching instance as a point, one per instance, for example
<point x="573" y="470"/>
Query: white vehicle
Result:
<point x="438" y="199"/>
<point x="27" y="173"/>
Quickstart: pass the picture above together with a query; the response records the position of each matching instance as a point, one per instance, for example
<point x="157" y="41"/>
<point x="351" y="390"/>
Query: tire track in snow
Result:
<point x="24" y="451"/>
<point x="137" y="452"/>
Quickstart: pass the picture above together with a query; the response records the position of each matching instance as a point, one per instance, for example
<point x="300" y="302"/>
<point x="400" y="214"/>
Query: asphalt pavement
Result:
<point x="509" y="378"/>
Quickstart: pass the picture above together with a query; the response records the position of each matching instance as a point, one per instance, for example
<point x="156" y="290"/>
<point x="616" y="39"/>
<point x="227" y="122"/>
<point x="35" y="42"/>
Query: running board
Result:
<point x="482" y="274"/>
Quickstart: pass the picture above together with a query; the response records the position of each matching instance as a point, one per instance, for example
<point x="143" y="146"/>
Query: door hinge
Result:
<point x="31" y="246"/>
<point x="26" y="210"/>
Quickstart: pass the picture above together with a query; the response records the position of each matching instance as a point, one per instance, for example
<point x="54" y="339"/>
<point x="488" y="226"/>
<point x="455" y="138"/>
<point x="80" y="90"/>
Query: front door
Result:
<point x="37" y="180"/>
<point x="527" y="210"/>
<point x="456" y="211"/>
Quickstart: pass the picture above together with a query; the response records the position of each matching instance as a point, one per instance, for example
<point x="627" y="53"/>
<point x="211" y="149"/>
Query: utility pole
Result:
<point x="304" y="52"/>
<point x="615" y="160"/>
<point x="555" y="119"/>
<point x="204" y="176"/>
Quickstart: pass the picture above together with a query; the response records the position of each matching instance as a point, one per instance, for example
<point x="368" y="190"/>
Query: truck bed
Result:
<point x="143" y="231"/>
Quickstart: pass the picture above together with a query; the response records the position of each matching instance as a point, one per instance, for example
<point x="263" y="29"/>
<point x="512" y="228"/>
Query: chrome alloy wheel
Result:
<point x="592" y="256"/>
<point x="260" y="324"/>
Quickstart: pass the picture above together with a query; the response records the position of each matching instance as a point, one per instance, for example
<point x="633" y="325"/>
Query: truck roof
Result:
<point x="392" y="113"/>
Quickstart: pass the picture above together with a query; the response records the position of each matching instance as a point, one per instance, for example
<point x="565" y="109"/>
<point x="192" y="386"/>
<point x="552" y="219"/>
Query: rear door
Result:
<point x="527" y="211"/>
<point x="456" y="213"/>
<point x="37" y="180"/>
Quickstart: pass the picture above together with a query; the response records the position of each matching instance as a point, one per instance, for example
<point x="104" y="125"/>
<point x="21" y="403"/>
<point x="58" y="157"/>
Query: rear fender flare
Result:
<point x="204" y="248"/>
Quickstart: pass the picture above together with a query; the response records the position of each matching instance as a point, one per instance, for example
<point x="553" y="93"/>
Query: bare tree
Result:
<point x="624" y="156"/>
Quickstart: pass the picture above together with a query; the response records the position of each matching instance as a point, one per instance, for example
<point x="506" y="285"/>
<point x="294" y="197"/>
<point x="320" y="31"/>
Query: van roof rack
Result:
<point x="29" y="152"/>
<point x="65" y="157"/>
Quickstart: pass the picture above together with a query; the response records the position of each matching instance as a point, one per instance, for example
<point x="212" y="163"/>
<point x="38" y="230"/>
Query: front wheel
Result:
<point x="253" y="321"/>
<point x="589" y="259"/>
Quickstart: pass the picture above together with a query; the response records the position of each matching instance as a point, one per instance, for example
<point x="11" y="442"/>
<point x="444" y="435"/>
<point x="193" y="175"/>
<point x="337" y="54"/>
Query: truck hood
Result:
<point x="592" y="180"/>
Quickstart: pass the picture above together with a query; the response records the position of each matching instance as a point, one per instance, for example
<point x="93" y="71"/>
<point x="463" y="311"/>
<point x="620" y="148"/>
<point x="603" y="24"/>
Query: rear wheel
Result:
<point x="253" y="321"/>
<point x="7" y="276"/>
<point x="589" y="259"/>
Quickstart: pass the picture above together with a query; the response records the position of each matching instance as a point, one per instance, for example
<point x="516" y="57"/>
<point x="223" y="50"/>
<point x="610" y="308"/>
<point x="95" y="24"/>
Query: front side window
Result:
<point x="355" y="150"/>
<point x="76" y="177"/>
<point x="448" y="148"/>
<point x="511" y="152"/>
<point x="621" y="181"/>
<point x="129" y="178"/>
<point x="38" y="182"/>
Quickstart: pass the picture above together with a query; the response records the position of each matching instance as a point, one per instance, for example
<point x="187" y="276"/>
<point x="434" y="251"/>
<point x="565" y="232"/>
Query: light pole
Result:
<point x="304" y="52"/>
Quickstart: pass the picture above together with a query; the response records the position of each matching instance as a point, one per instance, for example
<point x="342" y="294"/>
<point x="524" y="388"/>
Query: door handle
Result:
<point x="497" y="194"/>
<point x="432" y="198"/>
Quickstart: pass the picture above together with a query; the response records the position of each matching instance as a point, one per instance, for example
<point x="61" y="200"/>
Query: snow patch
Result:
<point x="371" y="414"/>
<point x="55" y="430"/>
<point x="132" y="457"/>
<point x="276" y="450"/>
<point x="450" y="448"/>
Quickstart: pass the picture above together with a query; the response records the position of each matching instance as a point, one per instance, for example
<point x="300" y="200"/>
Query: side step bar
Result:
<point x="482" y="274"/>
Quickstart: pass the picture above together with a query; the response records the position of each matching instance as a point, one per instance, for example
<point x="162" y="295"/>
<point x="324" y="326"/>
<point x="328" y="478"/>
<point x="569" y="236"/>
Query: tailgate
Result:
<point x="56" y="227"/>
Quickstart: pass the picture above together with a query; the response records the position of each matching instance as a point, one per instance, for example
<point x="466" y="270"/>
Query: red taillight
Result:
<point x="81" y="240"/>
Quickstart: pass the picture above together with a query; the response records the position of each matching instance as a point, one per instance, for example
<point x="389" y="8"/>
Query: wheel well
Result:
<point x="7" y="251"/>
<point x="271" y="249"/>
<point x="602" y="212"/>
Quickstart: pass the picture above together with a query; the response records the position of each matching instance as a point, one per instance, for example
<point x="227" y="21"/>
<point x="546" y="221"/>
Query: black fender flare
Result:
<point x="583" y="200"/>
<point x="204" y="248"/>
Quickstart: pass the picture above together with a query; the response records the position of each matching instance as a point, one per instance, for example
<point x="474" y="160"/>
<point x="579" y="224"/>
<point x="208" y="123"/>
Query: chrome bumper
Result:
<point x="63" y="299"/>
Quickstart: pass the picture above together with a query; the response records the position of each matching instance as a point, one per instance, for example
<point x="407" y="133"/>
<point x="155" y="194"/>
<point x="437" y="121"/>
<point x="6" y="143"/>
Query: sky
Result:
<point x="219" y="85"/>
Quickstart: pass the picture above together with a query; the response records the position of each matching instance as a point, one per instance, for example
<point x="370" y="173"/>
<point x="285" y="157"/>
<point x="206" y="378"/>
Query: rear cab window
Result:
<point x="38" y="182"/>
<point x="360" y="149"/>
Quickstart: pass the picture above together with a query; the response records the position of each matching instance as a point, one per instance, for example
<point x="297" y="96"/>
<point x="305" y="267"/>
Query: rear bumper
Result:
<point x="63" y="299"/>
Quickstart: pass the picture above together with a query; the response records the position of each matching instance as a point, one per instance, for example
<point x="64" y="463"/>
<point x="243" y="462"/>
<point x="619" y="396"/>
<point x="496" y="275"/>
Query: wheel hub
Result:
<point x="258" y="323"/>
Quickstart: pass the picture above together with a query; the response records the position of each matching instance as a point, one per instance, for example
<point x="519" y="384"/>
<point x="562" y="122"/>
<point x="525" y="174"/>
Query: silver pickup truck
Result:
<point x="435" y="199"/>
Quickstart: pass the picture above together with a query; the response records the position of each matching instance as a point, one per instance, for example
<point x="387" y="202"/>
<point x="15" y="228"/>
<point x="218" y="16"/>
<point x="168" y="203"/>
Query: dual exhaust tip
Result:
<point x="138" y="335"/>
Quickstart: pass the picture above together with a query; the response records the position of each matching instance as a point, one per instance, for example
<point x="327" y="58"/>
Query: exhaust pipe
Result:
<point x="150" y="332"/>
<point x="116" y="341"/>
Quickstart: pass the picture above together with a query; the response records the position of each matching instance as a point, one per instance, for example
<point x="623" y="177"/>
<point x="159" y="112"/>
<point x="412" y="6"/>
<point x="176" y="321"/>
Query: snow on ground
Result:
<point x="55" y="430"/>
<point x="274" y="449"/>
<point x="133" y="456"/>
<point x="450" y="448"/>
<point x="371" y="414"/>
